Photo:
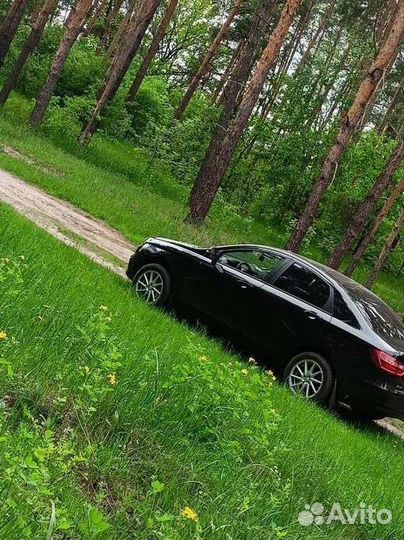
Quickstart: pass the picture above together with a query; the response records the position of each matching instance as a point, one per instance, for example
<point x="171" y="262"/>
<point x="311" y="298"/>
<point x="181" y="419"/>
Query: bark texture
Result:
<point x="10" y="25"/>
<point x="351" y="121"/>
<point x="29" y="46"/>
<point x="121" y="64"/>
<point x="151" y="52"/>
<point x="388" y="246"/>
<point x="76" y="20"/>
<point x="109" y="25"/>
<point x="369" y="236"/>
<point x="216" y="164"/>
<point x="365" y="209"/>
<point x="206" y="62"/>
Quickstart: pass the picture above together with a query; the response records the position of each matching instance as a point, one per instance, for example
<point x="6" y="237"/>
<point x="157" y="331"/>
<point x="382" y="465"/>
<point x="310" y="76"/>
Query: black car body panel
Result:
<point x="257" y="310"/>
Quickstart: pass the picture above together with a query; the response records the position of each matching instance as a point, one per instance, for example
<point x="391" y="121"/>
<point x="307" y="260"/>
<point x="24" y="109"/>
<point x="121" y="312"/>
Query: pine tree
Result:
<point x="351" y="122"/>
<point x="385" y="251"/>
<point x="29" y="46"/>
<point x="363" y="213"/>
<point x="369" y="236"/>
<point x="151" y="52"/>
<point x="206" y="62"/>
<point x="121" y="64"/>
<point x="218" y="160"/>
<point x="10" y="25"/>
<point x="75" y="23"/>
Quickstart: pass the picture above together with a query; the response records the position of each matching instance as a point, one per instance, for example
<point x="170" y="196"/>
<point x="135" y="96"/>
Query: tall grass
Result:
<point x="117" y="421"/>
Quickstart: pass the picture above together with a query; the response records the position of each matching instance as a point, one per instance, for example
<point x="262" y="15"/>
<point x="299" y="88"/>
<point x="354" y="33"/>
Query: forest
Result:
<point x="288" y="113"/>
<point x="212" y="122"/>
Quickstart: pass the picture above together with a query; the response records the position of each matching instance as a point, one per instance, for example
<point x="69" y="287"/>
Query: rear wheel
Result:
<point x="310" y="375"/>
<point x="152" y="283"/>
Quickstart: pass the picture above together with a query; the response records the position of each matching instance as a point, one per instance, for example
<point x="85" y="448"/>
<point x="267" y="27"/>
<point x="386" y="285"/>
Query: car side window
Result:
<point x="304" y="284"/>
<point x="342" y="312"/>
<point x="256" y="263"/>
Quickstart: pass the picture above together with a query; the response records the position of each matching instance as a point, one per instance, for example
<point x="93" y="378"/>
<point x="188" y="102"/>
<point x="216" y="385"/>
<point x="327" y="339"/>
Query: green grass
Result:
<point x="118" y="183"/>
<point x="187" y="424"/>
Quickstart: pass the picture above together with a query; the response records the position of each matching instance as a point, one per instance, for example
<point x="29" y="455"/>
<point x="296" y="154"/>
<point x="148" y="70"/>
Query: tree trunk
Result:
<point x="350" y="123"/>
<point x="366" y="240"/>
<point x="125" y="26"/>
<point x="29" y="46"/>
<point x="228" y="71"/>
<point x="317" y="37"/>
<point x="235" y="86"/>
<point x="324" y="92"/>
<point x="233" y="90"/>
<point x="384" y="253"/>
<point x="121" y="64"/>
<point x="203" y="68"/>
<point x="364" y="211"/>
<point x="110" y="24"/>
<point x="76" y="21"/>
<point x="390" y="109"/>
<point x="9" y="26"/>
<point x="151" y="53"/>
<point x="216" y="164"/>
<point x="94" y="15"/>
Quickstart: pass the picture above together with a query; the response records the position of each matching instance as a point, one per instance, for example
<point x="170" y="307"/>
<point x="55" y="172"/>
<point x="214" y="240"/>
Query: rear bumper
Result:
<point x="376" y="398"/>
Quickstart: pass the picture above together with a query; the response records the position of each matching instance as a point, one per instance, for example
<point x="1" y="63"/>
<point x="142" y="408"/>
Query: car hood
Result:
<point x="168" y="242"/>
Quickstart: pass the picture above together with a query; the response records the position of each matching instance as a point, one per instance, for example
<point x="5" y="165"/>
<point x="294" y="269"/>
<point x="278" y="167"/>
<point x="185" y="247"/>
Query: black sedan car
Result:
<point x="331" y="339"/>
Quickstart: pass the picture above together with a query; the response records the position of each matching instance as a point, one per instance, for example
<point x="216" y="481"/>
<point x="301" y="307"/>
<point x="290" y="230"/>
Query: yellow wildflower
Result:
<point x="244" y="371"/>
<point x="103" y="308"/>
<point x="188" y="513"/>
<point x="204" y="358"/>
<point x="112" y="379"/>
<point x="3" y="336"/>
<point x="87" y="369"/>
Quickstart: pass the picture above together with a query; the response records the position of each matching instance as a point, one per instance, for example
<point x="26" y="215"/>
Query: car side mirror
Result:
<point x="212" y="253"/>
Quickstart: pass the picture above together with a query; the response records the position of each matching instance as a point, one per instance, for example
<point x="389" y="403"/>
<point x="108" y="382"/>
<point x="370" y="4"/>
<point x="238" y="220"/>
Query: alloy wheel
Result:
<point x="306" y="377"/>
<point x="149" y="286"/>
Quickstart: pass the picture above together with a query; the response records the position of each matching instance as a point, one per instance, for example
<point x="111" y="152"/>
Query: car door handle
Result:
<point x="312" y="315"/>
<point x="243" y="284"/>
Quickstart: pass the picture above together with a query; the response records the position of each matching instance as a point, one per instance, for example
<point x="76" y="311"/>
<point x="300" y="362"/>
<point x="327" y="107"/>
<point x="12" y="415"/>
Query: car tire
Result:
<point x="153" y="284"/>
<point x="310" y="375"/>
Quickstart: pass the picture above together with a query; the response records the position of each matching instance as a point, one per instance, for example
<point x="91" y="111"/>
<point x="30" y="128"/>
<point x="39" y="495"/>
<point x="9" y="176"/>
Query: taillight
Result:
<point x="387" y="363"/>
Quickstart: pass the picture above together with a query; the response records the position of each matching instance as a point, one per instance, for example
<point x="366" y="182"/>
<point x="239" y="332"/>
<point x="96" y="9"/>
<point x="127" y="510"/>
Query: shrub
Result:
<point x="61" y="125"/>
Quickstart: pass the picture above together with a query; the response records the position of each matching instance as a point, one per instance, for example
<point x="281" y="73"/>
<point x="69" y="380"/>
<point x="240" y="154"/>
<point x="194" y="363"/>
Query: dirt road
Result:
<point x="87" y="234"/>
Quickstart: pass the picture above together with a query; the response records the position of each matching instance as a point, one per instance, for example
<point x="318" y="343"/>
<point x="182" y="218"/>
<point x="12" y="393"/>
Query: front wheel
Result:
<point x="152" y="283"/>
<point x="310" y="375"/>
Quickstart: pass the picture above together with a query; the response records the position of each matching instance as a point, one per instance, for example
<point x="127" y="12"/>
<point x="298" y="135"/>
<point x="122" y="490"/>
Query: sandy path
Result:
<point x="88" y="235"/>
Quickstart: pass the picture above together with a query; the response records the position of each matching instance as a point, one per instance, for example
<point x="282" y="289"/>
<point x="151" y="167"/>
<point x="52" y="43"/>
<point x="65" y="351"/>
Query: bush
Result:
<point x="62" y="125"/>
<point x="83" y="72"/>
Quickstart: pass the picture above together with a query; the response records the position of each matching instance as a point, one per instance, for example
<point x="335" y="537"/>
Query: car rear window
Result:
<point x="304" y="284"/>
<point x="378" y="315"/>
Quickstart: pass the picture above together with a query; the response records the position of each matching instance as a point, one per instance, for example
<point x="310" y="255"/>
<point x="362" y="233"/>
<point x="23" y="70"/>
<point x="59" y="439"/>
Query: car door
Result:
<point x="241" y="274"/>
<point x="299" y="305"/>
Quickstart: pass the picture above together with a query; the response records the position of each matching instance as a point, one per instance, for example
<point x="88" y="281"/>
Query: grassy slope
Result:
<point x="221" y="436"/>
<point x="117" y="183"/>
